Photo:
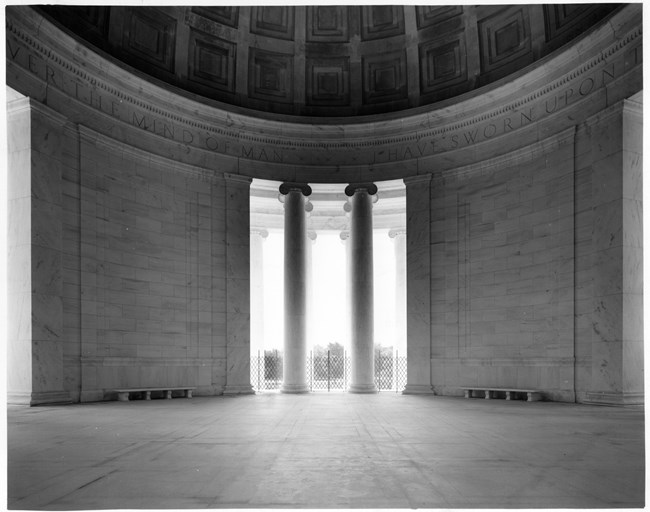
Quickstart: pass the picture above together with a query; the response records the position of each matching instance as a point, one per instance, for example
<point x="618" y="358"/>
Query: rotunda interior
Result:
<point x="505" y="140"/>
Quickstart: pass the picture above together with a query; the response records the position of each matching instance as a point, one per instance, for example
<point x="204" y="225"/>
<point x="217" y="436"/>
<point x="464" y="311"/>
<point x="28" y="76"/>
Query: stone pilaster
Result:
<point x="362" y="379"/>
<point x="617" y="245"/>
<point x="238" y="327"/>
<point x="35" y="373"/>
<point x="418" y="285"/>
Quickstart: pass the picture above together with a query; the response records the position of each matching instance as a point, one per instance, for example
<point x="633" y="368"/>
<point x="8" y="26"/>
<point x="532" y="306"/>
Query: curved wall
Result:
<point x="523" y="212"/>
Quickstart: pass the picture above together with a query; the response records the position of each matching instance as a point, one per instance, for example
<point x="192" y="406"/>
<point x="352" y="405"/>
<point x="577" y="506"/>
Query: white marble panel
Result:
<point x="607" y="184"/>
<point x="19" y="177"/>
<point x="607" y="367"/>
<point x="47" y="313"/>
<point x="46" y="271"/>
<point x="47" y="366"/>
<point x="633" y="352"/>
<point x="632" y="317"/>
<point x="47" y="227"/>
<point x="608" y="271"/>
<point x="46" y="178"/>
<point x="238" y="370"/>
<point x="633" y="175"/>
<point x="632" y="223"/>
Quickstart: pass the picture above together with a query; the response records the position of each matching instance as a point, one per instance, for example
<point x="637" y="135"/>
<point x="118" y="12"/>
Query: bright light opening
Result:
<point x="328" y="323"/>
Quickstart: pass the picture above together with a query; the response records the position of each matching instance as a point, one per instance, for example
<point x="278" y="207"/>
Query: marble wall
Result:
<point x="137" y="267"/>
<point x="502" y="294"/>
<point x="536" y="266"/>
<point x="157" y="270"/>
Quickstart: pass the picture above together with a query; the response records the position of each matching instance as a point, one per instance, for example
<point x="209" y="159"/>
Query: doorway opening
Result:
<point x="328" y="318"/>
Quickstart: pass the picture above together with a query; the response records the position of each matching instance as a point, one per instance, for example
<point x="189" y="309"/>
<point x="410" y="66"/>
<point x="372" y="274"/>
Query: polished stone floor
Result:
<point x="323" y="451"/>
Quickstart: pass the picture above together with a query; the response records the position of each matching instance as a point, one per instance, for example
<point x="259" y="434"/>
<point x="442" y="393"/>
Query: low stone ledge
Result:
<point x="123" y="395"/>
<point x="532" y="395"/>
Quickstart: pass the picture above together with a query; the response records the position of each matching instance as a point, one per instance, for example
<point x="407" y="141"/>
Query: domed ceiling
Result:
<point x="330" y="61"/>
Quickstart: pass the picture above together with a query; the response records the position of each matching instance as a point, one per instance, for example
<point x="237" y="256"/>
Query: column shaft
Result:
<point x="399" y="241"/>
<point x="361" y="292"/>
<point x="295" y="293"/>
<point x="257" y="290"/>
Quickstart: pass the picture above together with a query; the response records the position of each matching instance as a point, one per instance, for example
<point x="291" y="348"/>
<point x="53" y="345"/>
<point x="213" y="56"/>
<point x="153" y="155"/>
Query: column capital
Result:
<point x="287" y="187"/>
<point x="395" y="232"/>
<point x="371" y="188"/>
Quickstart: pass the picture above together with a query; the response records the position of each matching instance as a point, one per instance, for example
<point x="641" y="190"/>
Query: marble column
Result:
<point x="418" y="285"/>
<point x="345" y="240"/>
<point x="295" y="288"/>
<point x="399" y="242"/>
<point x="311" y="240"/>
<point x="238" y="327"/>
<point x="258" y="235"/>
<point x="362" y="379"/>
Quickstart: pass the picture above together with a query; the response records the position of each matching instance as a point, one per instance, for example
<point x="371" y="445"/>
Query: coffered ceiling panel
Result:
<point x="224" y="15"/>
<point x="273" y="21"/>
<point x="212" y="61"/>
<point x="504" y="36"/>
<point x="442" y="63"/>
<point x="328" y="81"/>
<point x="429" y="16"/>
<point x="270" y="76"/>
<point x="150" y="35"/>
<point x="329" y="60"/>
<point x="381" y="21"/>
<point x="327" y="24"/>
<point x="384" y="77"/>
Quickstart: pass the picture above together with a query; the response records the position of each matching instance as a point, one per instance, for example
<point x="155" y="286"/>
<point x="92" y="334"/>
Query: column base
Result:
<point x="50" y="397"/>
<point x="294" y="389"/>
<point x="614" y="398"/>
<point x="418" y="389"/>
<point x="239" y="390"/>
<point x="362" y="388"/>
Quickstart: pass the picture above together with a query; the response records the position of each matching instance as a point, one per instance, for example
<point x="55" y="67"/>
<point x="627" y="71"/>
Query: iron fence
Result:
<point x="266" y="370"/>
<point x="327" y="371"/>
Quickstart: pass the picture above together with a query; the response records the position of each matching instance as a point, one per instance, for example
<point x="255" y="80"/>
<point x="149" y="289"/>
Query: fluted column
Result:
<point x="399" y="241"/>
<point x="295" y="288"/>
<point x="258" y="235"/>
<point x="361" y="288"/>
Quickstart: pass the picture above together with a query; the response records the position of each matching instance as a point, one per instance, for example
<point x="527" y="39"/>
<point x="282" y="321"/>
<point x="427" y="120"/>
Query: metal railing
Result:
<point x="327" y="371"/>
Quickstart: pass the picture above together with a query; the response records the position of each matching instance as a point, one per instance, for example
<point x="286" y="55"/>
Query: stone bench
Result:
<point x="123" y="394"/>
<point x="532" y="395"/>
